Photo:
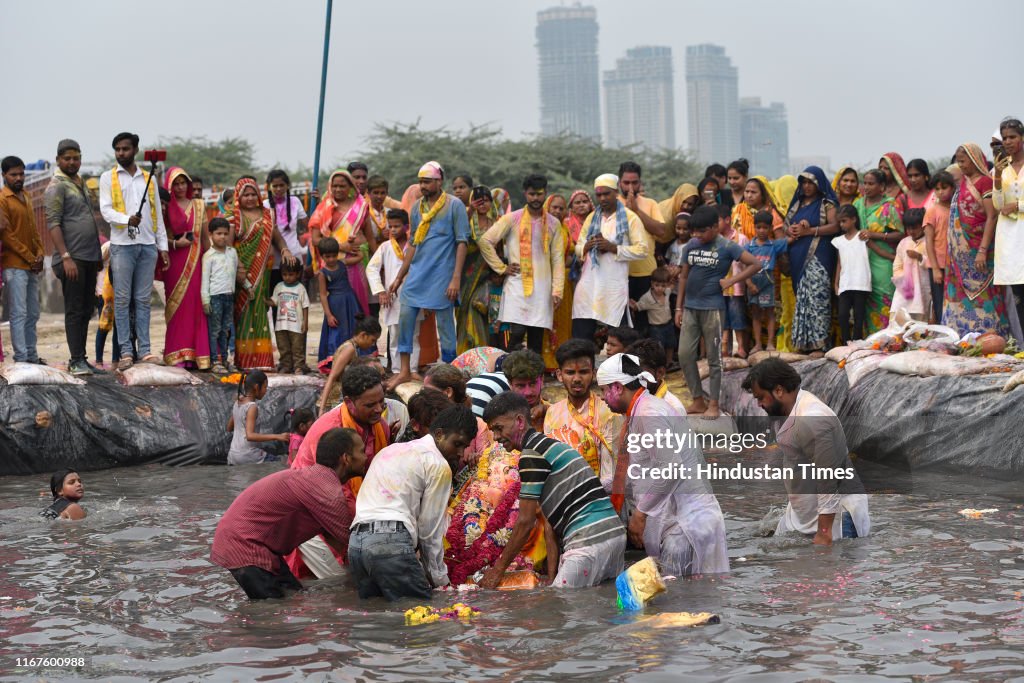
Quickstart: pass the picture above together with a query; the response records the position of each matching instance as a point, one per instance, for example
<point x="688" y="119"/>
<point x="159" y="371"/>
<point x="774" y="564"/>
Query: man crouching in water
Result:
<point x="830" y="507"/>
<point x="556" y="480"/>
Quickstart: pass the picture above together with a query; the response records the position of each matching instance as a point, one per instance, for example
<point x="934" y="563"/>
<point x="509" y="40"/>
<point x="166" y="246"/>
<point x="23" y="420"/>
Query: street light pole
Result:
<point x="320" y="112"/>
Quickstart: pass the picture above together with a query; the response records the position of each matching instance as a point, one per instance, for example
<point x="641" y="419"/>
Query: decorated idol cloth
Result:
<point x="481" y="517"/>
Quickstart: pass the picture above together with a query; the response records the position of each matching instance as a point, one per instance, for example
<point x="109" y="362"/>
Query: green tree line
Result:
<point x="396" y="151"/>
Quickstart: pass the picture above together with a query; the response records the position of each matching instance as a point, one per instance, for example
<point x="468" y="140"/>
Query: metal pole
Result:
<point x="320" y="113"/>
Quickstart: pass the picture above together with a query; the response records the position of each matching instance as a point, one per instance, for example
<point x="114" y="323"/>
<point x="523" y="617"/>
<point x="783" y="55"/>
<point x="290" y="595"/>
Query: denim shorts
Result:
<point x="663" y="334"/>
<point x="765" y="298"/>
<point x="735" y="317"/>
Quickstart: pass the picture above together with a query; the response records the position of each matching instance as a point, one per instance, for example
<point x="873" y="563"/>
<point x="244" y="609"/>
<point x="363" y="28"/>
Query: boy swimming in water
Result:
<point x="66" y="487"/>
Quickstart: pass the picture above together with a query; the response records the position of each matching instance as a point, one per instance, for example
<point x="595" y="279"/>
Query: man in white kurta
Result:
<point x="678" y="519"/>
<point x="829" y="507"/>
<point x="533" y="281"/>
<point x="388" y="260"/>
<point x="611" y="237"/>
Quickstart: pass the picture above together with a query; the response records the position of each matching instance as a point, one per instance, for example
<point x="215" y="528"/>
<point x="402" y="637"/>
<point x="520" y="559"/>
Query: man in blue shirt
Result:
<point x="707" y="261"/>
<point x="439" y="229"/>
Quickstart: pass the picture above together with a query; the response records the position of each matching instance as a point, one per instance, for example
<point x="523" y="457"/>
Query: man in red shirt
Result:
<point x="277" y="513"/>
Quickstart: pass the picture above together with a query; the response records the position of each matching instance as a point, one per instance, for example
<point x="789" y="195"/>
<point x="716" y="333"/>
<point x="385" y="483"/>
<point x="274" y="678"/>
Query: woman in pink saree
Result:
<point x="342" y="215"/>
<point x="187" y="343"/>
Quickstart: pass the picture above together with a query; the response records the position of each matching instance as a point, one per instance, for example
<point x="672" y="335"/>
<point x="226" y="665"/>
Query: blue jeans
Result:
<point x="445" y="318"/>
<point x="23" y="297"/>
<point x="849" y="530"/>
<point x="221" y="323"/>
<point x="134" y="266"/>
<point x="383" y="562"/>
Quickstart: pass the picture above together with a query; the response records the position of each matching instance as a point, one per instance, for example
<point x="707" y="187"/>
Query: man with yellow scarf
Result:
<point x="433" y="263"/>
<point x="134" y="243"/>
<point x="535" y="272"/>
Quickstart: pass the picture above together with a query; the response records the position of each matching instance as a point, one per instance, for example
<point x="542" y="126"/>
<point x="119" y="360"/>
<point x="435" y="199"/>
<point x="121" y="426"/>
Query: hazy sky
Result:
<point x="858" y="78"/>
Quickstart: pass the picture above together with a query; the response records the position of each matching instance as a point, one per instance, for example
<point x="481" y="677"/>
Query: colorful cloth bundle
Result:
<point x="638" y="584"/>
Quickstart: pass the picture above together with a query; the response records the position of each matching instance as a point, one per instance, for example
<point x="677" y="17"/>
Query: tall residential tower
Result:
<point x="764" y="136"/>
<point x="712" y="99"/>
<point x="639" y="100"/>
<point x="570" y="99"/>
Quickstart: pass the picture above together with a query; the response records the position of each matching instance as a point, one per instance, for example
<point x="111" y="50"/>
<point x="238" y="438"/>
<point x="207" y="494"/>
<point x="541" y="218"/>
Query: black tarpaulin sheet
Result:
<point x="103" y="424"/>
<point x="953" y="423"/>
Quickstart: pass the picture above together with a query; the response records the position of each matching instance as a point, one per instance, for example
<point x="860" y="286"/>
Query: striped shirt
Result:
<point x="278" y="513"/>
<point x="570" y="494"/>
<point x="482" y="388"/>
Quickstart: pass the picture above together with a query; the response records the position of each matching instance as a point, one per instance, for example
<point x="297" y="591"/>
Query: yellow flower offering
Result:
<point x="428" y="615"/>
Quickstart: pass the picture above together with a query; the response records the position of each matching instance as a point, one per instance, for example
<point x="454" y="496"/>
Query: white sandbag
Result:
<point x="148" y="375"/>
<point x="1014" y="381"/>
<point x="860" y="364"/>
<point x="294" y="381"/>
<point x="728" y="364"/>
<point x="930" y="364"/>
<point x="30" y="373"/>
<point x="901" y="324"/>
<point x="755" y="358"/>
<point x="839" y="353"/>
<point x="407" y="390"/>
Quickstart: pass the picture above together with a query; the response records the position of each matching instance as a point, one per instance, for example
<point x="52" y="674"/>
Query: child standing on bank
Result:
<point x="936" y="235"/>
<point x="910" y="271"/>
<point x="245" y="440"/>
<point x="659" y="314"/>
<point x="762" y="297"/>
<point x="220" y="274"/>
<point x="853" y="274"/>
<point x="700" y="303"/>
<point x="388" y="258"/>
<point x="734" y="320"/>
<point x="337" y="297"/>
<point x="292" y="304"/>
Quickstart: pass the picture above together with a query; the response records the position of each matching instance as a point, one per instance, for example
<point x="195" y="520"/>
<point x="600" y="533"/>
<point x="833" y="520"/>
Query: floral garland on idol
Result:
<point x="475" y="538"/>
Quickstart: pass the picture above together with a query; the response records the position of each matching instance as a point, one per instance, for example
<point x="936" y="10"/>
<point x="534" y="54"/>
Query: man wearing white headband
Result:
<point x="676" y="518"/>
<point x="439" y="232"/>
<point x="614" y="238"/>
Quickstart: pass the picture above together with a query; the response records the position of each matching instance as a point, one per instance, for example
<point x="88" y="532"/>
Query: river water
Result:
<point x="930" y="595"/>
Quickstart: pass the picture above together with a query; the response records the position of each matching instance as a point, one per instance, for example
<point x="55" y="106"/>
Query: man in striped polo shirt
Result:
<point x="557" y="481"/>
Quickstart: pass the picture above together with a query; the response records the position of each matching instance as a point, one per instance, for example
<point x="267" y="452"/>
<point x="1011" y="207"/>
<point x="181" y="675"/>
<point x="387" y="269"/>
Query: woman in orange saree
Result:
<point x="342" y="215"/>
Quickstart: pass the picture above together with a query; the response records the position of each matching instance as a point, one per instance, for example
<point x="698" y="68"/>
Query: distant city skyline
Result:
<point x="764" y="136"/>
<point x="712" y="104"/>
<point x="639" y="98"/>
<point x="479" y="66"/>
<point x="570" y="94"/>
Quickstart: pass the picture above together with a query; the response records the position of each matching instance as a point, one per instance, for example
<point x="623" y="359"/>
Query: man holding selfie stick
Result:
<point x="135" y="240"/>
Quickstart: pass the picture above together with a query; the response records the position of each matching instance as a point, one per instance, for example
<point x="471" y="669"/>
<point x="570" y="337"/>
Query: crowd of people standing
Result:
<point x="465" y="270"/>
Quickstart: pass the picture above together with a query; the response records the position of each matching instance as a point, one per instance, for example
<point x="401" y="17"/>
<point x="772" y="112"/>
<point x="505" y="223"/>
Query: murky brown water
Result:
<point x="929" y="596"/>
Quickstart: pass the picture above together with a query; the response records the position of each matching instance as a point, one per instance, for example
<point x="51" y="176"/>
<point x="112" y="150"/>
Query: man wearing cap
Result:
<point x="614" y="237"/>
<point x="676" y="517"/>
<point x="439" y="229"/>
<point x="76" y="244"/>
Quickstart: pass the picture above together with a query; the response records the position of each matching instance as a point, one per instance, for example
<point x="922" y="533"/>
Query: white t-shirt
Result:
<point x="855" y="271"/>
<point x="289" y="232"/>
<point x="290" y="301"/>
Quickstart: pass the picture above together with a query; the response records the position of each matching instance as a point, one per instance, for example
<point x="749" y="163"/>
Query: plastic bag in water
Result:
<point x="638" y="584"/>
